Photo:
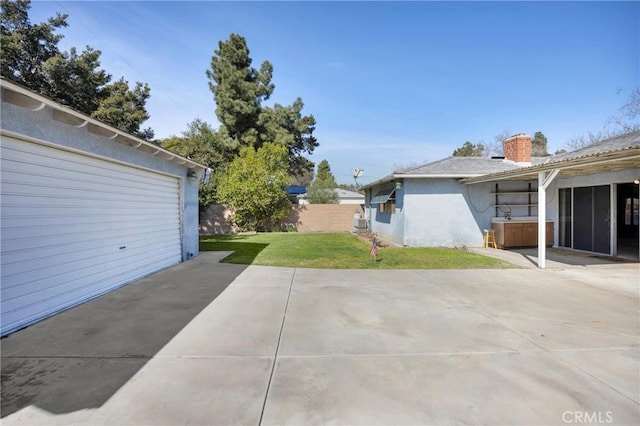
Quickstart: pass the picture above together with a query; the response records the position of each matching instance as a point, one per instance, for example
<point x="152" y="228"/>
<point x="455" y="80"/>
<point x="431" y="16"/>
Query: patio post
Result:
<point x="542" y="221"/>
<point x="543" y="183"/>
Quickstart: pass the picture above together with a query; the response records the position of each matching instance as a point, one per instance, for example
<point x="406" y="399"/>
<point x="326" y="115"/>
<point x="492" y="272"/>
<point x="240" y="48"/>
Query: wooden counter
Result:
<point x="518" y="233"/>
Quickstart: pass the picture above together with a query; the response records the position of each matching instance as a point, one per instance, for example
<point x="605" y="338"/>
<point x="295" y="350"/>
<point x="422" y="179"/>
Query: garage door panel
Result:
<point x="36" y="255"/>
<point x="65" y="217"/>
<point x="115" y="237"/>
<point x="135" y="195"/>
<point x="70" y="230"/>
<point x="64" y="179"/>
<point x="44" y="212"/>
<point x="53" y="261"/>
<point x="61" y="298"/>
<point x="79" y="219"/>
<point x="106" y="275"/>
<point x="88" y="198"/>
<point x="97" y="184"/>
<point x="63" y="164"/>
<point x="81" y="278"/>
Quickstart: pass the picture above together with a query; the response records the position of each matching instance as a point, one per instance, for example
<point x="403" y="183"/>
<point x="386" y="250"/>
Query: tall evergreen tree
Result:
<point x="25" y="47"/>
<point x="539" y="145"/>
<point x="323" y="188"/>
<point x="324" y="173"/>
<point x="239" y="90"/>
<point x="124" y="108"/>
<point x="75" y="80"/>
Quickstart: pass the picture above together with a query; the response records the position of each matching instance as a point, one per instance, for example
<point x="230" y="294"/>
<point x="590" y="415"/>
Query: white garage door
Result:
<point x="74" y="227"/>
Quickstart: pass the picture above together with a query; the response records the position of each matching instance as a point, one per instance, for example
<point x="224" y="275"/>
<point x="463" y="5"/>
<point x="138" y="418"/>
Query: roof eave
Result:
<point x="571" y="163"/>
<point x="437" y="176"/>
<point x="395" y="176"/>
<point x="77" y="119"/>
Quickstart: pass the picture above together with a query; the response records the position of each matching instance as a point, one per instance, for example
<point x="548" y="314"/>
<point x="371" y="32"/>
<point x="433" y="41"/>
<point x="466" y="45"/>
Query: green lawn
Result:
<point x="337" y="251"/>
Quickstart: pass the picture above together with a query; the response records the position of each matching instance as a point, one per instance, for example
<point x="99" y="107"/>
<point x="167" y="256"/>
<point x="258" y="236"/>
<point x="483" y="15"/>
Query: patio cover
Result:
<point x="615" y="153"/>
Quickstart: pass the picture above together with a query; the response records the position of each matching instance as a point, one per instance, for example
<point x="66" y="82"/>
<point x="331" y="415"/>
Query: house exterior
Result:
<point x="344" y="197"/>
<point x="589" y="196"/>
<point x="85" y="208"/>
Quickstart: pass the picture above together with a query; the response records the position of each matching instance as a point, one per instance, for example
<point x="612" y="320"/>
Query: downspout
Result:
<point x="544" y="180"/>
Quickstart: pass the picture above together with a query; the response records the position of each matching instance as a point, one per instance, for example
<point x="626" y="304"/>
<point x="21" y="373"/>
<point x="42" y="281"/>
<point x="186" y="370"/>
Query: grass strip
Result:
<point x="338" y="251"/>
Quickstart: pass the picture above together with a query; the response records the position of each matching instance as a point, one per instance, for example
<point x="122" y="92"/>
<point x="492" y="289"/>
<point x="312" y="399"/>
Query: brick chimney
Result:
<point x="518" y="148"/>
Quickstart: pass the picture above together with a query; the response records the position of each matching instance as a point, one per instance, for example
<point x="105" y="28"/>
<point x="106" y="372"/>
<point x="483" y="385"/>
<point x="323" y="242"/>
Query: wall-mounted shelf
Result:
<point x="514" y="192"/>
<point x="514" y="199"/>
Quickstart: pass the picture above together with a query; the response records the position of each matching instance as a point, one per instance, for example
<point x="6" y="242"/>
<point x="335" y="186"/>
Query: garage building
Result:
<point x="85" y="208"/>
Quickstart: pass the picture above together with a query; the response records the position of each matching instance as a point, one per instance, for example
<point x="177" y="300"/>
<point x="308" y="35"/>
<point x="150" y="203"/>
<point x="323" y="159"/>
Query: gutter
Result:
<point x="395" y="176"/>
<point x="632" y="153"/>
<point x="25" y="98"/>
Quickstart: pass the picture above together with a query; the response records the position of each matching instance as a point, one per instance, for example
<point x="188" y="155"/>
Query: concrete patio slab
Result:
<point x="304" y="346"/>
<point x="172" y="391"/>
<point x="381" y="318"/>
<point x="242" y="321"/>
<point x="193" y="391"/>
<point x="491" y="388"/>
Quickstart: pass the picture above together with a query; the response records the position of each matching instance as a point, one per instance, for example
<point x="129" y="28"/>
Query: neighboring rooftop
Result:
<point x="343" y="194"/>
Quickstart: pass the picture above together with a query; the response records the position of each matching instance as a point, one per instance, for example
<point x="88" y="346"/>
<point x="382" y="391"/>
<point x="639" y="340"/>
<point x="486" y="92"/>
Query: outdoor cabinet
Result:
<point x="520" y="234"/>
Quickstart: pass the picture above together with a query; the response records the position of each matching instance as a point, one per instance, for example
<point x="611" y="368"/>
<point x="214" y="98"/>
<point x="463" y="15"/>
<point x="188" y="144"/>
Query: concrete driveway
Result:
<point x="304" y="346"/>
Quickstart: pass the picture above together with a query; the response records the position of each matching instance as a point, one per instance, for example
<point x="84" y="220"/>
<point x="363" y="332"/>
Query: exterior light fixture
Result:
<point x="637" y="181"/>
<point x="398" y="184"/>
<point x="193" y="176"/>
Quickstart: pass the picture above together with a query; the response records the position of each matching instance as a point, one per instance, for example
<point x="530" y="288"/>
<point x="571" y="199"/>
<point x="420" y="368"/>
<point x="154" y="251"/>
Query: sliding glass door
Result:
<point x="565" y="218"/>
<point x="592" y="219"/>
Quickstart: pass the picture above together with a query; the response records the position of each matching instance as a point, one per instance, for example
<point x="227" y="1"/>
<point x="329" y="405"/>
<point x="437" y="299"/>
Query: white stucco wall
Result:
<point x="444" y="212"/>
<point x="40" y="125"/>
<point x="389" y="226"/>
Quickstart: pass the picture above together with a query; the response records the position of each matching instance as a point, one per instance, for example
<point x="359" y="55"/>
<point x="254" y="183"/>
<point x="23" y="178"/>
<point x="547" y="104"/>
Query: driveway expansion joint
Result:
<point x="275" y="356"/>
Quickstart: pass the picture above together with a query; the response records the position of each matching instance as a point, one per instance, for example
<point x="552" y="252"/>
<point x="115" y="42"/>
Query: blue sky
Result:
<point x="389" y="83"/>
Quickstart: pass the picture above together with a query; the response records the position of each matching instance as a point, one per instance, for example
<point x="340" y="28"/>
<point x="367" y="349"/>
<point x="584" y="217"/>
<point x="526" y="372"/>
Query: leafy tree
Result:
<point x="539" y="145"/>
<point x="322" y="192"/>
<point x="29" y="55"/>
<point x="239" y="90"/>
<point x="253" y="187"/>
<point x="202" y="144"/>
<point x="124" y="108"/>
<point x="469" y="149"/>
